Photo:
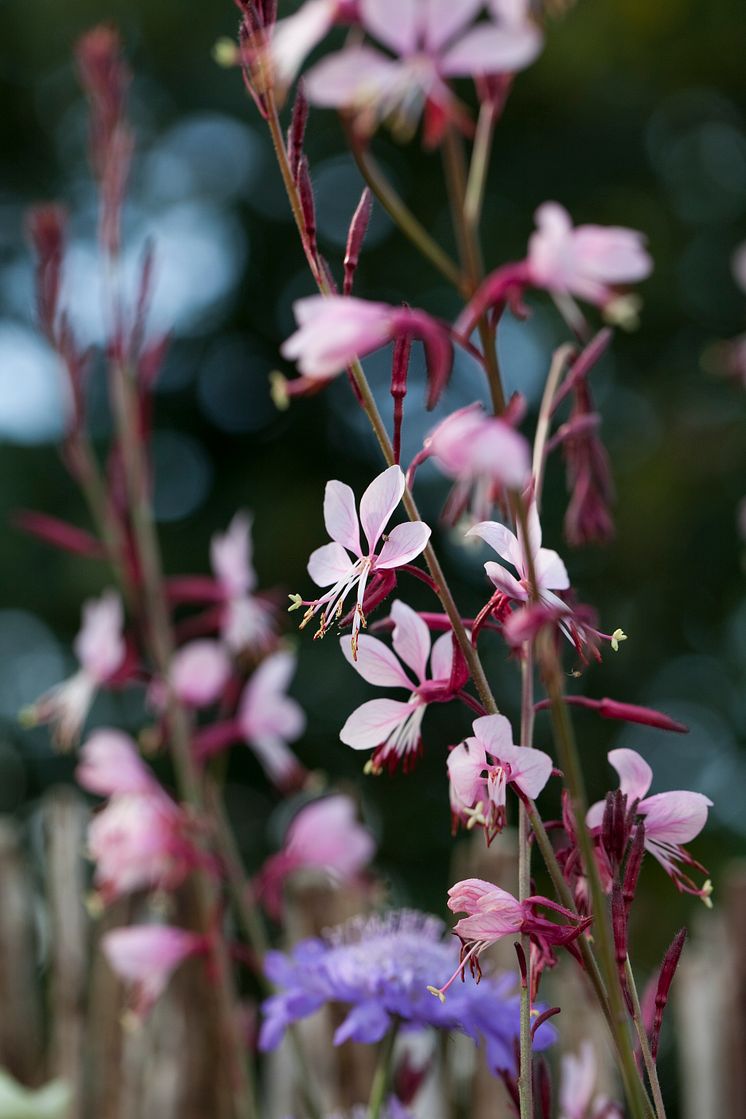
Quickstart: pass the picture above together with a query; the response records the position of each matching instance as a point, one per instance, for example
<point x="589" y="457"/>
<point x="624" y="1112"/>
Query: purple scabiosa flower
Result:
<point x="381" y="967"/>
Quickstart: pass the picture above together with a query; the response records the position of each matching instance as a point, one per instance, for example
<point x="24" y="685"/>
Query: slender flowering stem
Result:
<point x="642" y="1036"/>
<point x="471" y="259"/>
<point x="382" y="1076"/>
<point x="525" y="1082"/>
<point x="160" y="638"/>
<point x="479" y="166"/>
<point x="557" y="370"/>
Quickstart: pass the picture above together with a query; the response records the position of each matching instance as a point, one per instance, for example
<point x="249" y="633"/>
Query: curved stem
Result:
<point x="403" y="217"/>
<point x="560" y="359"/>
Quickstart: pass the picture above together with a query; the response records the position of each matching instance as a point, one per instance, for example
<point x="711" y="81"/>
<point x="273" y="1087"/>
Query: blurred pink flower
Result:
<point x="671" y="819"/>
<point x="324" y="837"/>
<point x="433" y="40"/>
<point x="392" y="726"/>
<point x="484" y="455"/>
<point x="331" y="566"/>
<point x="146" y="956"/>
<point x="577" y="1095"/>
<point x="110" y="765"/>
<point x="588" y="261"/>
<point x="140" y="840"/>
<point x="102" y="652"/>
<point x="333" y="330"/>
<point x="268" y="718"/>
<point x="482" y="767"/>
<point x="247" y="621"/>
<point x="199" y="672"/>
<point x="550" y="571"/>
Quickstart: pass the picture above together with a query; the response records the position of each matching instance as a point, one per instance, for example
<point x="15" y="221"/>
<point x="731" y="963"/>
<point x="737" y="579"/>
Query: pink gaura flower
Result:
<point x="482" y="767"/>
<point x="102" y="652"/>
<point x="671" y="819"/>
<point x="393" y="727"/>
<point x="483" y="454"/>
<point x="578" y="1098"/>
<point x="140" y="840"/>
<point x="550" y="571"/>
<point x="247" y="621"/>
<point x="492" y="913"/>
<point x="199" y="672"/>
<point x="294" y="37"/>
<point x="432" y="41"/>
<point x="324" y="838"/>
<point x="266" y="720"/>
<point x="146" y="956"/>
<point x="331" y="566"/>
<point x="588" y="261"/>
<point x="334" y="330"/>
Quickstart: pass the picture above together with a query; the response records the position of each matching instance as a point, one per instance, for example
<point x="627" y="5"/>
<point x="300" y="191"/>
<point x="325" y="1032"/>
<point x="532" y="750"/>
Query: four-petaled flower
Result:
<point x="548" y="568"/>
<point x="331" y="566"/>
<point x="392" y="726"/>
<point x="324" y="838"/>
<point x="482" y="767"/>
<point x="671" y="819"/>
<point x="588" y="261"/>
<point x="434" y="40"/>
<point x="247" y="621"/>
<point x="102" y="652"/>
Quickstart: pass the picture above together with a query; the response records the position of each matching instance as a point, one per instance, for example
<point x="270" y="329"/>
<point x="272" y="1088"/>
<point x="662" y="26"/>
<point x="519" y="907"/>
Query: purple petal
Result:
<point x="405" y="542"/>
<point x="376" y="663"/>
<point x="635" y="775"/>
<point x="675" y="817"/>
<point x="328" y="564"/>
<point x="366" y="1023"/>
<point x="371" y="724"/>
<point x="378" y="503"/>
<point x="411" y="638"/>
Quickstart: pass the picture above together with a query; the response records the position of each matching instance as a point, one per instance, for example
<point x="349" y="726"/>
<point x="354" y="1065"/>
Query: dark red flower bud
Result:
<point x="355" y="238"/>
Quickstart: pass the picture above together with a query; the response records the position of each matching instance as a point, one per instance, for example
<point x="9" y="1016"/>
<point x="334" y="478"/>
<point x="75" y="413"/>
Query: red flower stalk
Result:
<point x="627" y="712"/>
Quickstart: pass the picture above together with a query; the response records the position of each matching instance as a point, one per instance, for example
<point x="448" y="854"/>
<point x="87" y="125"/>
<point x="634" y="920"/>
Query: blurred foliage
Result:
<point x="634" y="115"/>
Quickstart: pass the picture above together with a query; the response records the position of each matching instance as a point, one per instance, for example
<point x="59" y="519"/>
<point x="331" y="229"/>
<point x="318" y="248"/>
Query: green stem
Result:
<point x="642" y="1036"/>
<point x="471" y="260"/>
<point x="403" y="217"/>
<point x="382" y="1076"/>
<point x="160" y="640"/>
<point x="525" y="1080"/>
<point x="479" y="166"/>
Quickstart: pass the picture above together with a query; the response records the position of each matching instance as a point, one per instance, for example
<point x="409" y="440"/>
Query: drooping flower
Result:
<point x="492" y="913"/>
<point x="102" y="652"/>
<point x="331" y="566"/>
<point x="551" y="574"/>
<point x="484" y="455"/>
<point x="324" y="838"/>
<point x="391" y="726"/>
<point x="481" y="768"/>
<point x="146" y="956"/>
<point x="199" y="672"/>
<point x="247" y="620"/>
<point x="267" y="720"/>
<point x="671" y="819"/>
<point x="589" y="261"/>
<point x="380" y="968"/>
<point x="334" y="330"/>
<point x="140" y="840"/>
<point x="432" y="41"/>
<point x="578" y="1098"/>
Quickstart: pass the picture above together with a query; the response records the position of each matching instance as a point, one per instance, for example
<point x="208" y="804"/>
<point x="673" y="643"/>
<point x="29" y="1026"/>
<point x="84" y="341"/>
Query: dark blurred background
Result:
<point x="633" y="115"/>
